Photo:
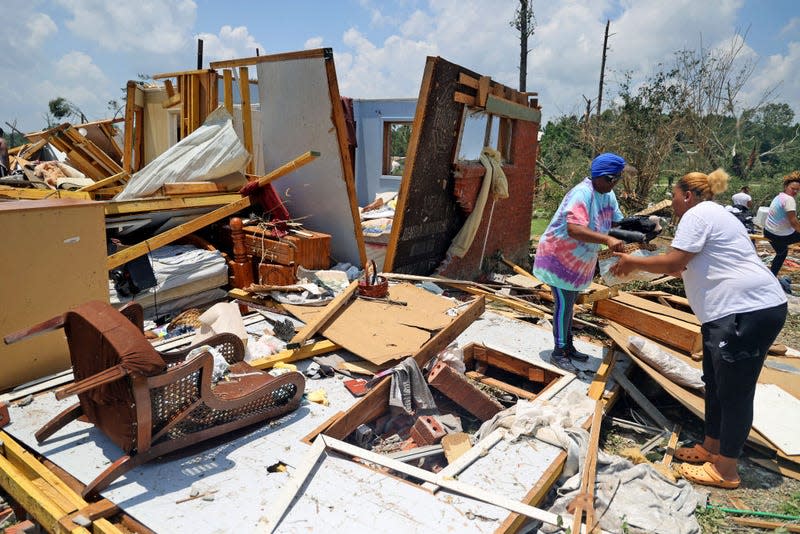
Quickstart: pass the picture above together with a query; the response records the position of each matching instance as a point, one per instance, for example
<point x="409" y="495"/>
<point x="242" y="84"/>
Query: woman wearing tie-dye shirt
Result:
<point x="567" y="252"/>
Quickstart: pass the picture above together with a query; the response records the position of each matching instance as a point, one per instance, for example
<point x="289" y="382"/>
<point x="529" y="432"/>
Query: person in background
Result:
<point x="567" y="252"/>
<point x="4" y="170"/>
<point x="782" y="227"/>
<point x="741" y="308"/>
<point x="742" y="199"/>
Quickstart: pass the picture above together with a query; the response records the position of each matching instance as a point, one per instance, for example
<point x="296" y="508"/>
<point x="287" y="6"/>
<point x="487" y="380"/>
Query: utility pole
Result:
<point x="524" y="22"/>
<point x="602" y="71"/>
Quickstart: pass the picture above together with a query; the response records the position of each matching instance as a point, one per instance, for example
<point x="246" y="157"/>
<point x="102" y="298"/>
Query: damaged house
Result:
<point x="212" y="332"/>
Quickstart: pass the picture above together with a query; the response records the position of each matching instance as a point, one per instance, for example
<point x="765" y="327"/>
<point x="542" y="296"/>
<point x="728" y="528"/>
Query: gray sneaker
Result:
<point x="559" y="358"/>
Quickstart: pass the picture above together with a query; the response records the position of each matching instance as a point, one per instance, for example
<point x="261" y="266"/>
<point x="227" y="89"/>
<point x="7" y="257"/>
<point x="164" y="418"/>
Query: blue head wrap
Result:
<point x="607" y="163"/>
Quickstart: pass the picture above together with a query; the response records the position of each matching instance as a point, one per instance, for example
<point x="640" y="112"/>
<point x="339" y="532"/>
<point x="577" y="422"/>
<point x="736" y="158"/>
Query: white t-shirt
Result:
<point x="741" y="199"/>
<point x="725" y="275"/>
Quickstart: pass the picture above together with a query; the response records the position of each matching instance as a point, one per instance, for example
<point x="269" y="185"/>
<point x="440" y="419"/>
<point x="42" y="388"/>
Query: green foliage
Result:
<point x="400" y="135"/>
<point x="687" y="115"/>
<point x="60" y="109"/>
<point x="792" y="506"/>
<point x="712" y="520"/>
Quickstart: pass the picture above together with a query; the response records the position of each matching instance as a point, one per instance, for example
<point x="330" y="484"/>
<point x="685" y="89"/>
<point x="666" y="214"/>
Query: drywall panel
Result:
<point x="300" y="111"/>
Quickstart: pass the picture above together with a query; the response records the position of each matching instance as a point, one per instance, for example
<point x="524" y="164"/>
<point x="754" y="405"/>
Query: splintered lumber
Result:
<point x="330" y="310"/>
<point x="191" y="188"/>
<point x="584" y="500"/>
<point x="776" y="526"/>
<point x="653" y="307"/>
<point x="376" y="401"/>
<point x="663" y="327"/>
<point x="164" y="238"/>
<point x="119" y="177"/>
<point x="292" y="355"/>
<point x="43" y="495"/>
<point x="640" y="399"/>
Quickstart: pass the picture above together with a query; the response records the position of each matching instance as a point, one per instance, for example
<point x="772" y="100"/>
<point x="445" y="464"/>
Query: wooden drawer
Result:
<point x="312" y="251"/>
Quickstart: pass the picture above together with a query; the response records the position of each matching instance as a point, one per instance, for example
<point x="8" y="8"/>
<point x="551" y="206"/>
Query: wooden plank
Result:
<point x="164" y="238"/>
<point x="164" y="75"/>
<point x="673" y="442"/>
<point x="511" y="110"/>
<point x="463" y="98"/>
<point x="598" y="385"/>
<point x="673" y="332"/>
<point x="108" y="130"/>
<point x="777" y="526"/>
<point x="598" y="294"/>
<point x="255" y="60"/>
<point x="130" y="105"/>
<point x="143" y="205"/>
<point x="330" y="310"/>
<point x="344" y="150"/>
<point x="227" y="84"/>
<point x="640" y="399"/>
<point x="653" y="307"/>
<point x="466" y="79"/>
<point x="535" y="495"/>
<point x="508" y="388"/>
<point x="247" y="119"/>
<point x="119" y="177"/>
<point x="455" y="445"/>
<point x="584" y="500"/>
<point x="191" y="188"/>
<point x="483" y="90"/>
<point x="39" y="194"/>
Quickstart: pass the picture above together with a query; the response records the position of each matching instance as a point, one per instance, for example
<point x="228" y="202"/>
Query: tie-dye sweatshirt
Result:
<point x="567" y="263"/>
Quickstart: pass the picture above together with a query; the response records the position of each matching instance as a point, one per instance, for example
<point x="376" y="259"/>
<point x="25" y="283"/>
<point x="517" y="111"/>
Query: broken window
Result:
<point x="395" y="147"/>
<point x="483" y="129"/>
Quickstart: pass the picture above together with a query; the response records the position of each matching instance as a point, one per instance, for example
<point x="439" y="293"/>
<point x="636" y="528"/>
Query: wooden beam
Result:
<point x="164" y="238"/>
<point x="130" y="105"/>
<point x="654" y="307"/>
<point x="247" y="118"/>
<point x="227" y="85"/>
<point x="511" y="110"/>
<point x="119" y="177"/>
<point x="179" y="73"/>
<point x="484" y="84"/>
<point x="255" y="60"/>
<point x="328" y="312"/>
<point x="287" y="356"/>
<point x="776" y="526"/>
<point x="668" y="330"/>
<point x="508" y="388"/>
<point x="143" y="205"/>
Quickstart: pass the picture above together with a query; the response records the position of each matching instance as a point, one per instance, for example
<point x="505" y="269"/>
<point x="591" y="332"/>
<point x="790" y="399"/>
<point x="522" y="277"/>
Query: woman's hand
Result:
<point x="617" y="245"/>
<point x="623" y="266"/>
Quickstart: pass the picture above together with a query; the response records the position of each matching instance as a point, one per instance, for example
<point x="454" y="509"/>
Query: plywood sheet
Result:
<point x="381" y="332"/>
<point x="776" y="415"/>
<point x="299" y="113"/>
<point x="54" y="258"/>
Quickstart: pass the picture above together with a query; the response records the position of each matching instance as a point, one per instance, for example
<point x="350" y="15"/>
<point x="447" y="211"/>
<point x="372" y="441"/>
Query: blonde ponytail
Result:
<point x="705" y="186"/>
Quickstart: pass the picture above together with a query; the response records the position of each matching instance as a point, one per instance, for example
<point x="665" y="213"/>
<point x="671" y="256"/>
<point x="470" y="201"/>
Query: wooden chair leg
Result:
<point x="109" y="475"/>
<point x="57" y="422"/>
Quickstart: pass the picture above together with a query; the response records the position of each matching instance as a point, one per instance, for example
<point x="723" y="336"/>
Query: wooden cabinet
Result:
<point x="312" y="250"/>
<point x="54" y="258"/>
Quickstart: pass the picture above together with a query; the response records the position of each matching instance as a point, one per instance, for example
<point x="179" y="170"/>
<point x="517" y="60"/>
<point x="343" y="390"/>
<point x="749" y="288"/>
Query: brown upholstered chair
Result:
<point x="152" y="403"/>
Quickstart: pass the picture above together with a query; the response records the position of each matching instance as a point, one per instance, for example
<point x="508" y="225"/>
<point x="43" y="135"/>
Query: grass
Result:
<point x="538" y="226"/>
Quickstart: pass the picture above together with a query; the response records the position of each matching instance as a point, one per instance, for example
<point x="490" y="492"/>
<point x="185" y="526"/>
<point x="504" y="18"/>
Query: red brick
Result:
<point x="456" y="387"/>
<point x="427" y="431"/>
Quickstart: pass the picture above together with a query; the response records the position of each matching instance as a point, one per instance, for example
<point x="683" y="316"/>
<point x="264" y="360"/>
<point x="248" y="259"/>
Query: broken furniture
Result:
<point x="54" y="254"/>
<point x="150" y="403"/>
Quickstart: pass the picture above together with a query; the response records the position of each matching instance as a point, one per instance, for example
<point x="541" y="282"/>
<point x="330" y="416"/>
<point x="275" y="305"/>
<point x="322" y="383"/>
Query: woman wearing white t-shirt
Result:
<point x="782" y="227"/>
<point x="741" y="307"/>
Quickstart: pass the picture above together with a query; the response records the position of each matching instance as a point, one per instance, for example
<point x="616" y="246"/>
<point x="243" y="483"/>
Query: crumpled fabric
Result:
<point x="634" y="499"/>
<point x="408" y="390"/>
<point x="495" y="181"/>
<point x="555" y="423"/>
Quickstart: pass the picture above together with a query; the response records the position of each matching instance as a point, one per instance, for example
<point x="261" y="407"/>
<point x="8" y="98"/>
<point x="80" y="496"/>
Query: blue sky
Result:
<point x="86" y="50"/>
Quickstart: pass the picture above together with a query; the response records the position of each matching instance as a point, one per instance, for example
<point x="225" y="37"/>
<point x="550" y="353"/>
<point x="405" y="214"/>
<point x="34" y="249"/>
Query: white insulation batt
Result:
<point x="211" y="151"/>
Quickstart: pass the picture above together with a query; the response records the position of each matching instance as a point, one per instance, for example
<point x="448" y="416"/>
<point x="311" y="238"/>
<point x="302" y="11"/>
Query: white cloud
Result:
<point x="229" y="43"/>
<point x="791" y="27"/>
<point x="78" y="67"/>
<point x="418" y="24"/>
<point x="40" y="27"/>
<point x="313" y="42"/>
<point x="152" y="26"/>
<point x="781" y="72"/>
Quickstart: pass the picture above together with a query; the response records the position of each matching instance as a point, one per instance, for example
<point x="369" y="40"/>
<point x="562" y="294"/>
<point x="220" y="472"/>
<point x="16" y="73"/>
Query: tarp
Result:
<point x="211" y="151"/>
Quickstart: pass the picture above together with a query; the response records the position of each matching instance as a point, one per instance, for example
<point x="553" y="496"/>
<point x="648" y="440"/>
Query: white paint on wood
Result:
<point x="297" y="115"/>
<point x="776" y="415"/>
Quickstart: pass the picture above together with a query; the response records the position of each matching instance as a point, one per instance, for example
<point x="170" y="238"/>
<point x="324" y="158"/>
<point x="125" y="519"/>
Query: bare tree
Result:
<point x="525" y="23"/>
